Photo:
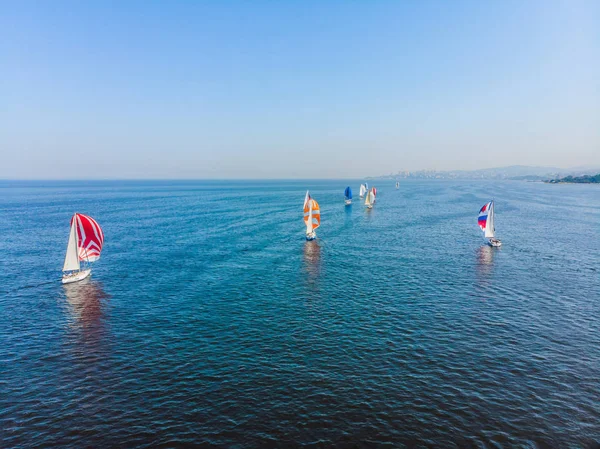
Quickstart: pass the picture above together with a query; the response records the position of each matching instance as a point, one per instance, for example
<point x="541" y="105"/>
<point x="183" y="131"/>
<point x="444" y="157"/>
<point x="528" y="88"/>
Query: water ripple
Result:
<point x="210" y="321"/>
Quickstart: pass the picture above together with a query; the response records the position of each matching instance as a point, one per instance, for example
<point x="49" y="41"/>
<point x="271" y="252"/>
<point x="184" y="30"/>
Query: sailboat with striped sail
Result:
<point x="362" y="191"/>
<point x="348" y="196"/>
<point x="312" y="216"/>
<point x="487" y="225"/>
<point x="85" y="245"/>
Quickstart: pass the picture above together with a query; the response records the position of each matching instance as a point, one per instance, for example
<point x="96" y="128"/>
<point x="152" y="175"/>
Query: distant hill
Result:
<point x="577" y="179"/>
<point x="513" y="172"/>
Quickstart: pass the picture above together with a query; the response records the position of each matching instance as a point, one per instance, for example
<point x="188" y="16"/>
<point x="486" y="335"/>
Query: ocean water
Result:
<point x="209" y="320"/>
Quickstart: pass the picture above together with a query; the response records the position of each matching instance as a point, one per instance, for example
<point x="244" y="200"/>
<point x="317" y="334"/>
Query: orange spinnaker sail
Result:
<point x="316" y="213"/>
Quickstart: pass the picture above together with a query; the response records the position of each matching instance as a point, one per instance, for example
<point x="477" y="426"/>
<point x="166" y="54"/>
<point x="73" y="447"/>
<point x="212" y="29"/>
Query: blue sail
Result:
<point x="348" y="193"/>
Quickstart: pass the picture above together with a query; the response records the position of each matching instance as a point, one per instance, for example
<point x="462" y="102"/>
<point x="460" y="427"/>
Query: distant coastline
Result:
<point x="585" y="179"/>
<point x="513" y="173"/>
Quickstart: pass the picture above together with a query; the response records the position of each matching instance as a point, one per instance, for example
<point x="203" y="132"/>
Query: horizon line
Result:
<point x="141" y="179"/>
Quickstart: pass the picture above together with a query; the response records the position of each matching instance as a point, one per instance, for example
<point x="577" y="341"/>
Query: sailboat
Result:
<point x="348" y="196"/>
<point x="374" y="192"/>
<point x="312" y="216"/>
<point x="397" y="185"/>
<point x="486" y="223"/>
<point x="85" y="245"/>
<point x="363" y="190"/>
<point x="370" y="198"/>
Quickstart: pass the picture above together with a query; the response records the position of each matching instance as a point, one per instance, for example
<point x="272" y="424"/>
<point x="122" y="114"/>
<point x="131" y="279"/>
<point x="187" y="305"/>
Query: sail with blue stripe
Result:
<point x="485" y="220"/>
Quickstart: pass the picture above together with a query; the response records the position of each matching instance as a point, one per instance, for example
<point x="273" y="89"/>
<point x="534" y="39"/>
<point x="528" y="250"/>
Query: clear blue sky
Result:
<point x="271" y="89"/>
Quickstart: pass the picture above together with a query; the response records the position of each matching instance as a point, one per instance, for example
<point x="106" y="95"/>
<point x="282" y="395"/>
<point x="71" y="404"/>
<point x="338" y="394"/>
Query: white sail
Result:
<point x="362" y="190"/>
<point x="306" y="198"/>
<point x="489" y="227"/>
<point x="369" y="199"/>
<point x="72" y="258"/>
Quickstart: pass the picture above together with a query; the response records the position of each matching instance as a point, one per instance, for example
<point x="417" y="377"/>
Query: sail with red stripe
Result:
<point x="483" y="215"/>
<point x="90" y="237"/>
<point x="486" y="219"/>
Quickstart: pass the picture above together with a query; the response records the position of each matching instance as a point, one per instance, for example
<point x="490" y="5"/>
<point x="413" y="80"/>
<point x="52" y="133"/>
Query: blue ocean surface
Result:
<point x="209" y="319"/>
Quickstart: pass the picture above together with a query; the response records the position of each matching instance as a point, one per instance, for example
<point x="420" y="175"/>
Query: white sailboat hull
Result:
<point x="495" y="242"/>
<point x="75" y="277"/>
<point x="311" y="235"/>
<point x="348" y="202"/>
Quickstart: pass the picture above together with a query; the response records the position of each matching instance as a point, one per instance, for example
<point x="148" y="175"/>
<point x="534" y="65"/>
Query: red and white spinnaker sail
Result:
<point x="90" y="237"/>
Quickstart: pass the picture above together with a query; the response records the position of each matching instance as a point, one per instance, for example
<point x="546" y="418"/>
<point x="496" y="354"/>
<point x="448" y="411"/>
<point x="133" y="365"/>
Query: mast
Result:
<point x="87" y="257"/>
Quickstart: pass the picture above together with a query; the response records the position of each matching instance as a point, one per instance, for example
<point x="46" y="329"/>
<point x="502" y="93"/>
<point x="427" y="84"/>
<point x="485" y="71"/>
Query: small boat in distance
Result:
<point x="363" y="190"/>
<point x="370" y="198"/>
<point x="312" y="216"/>
<point x="85" y="245"/>
<point x="348" y="196"/>
<point x="486" y="223"/>
<point x="397" y="185"/>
